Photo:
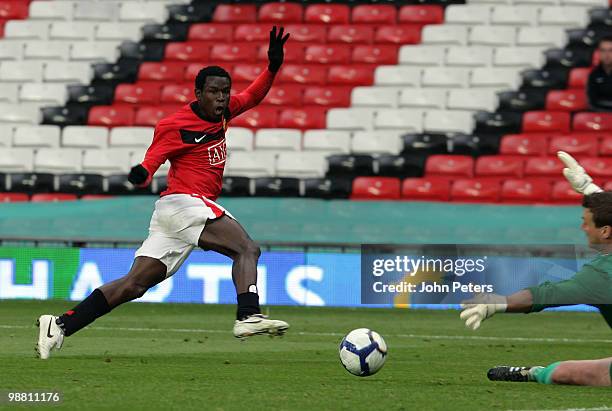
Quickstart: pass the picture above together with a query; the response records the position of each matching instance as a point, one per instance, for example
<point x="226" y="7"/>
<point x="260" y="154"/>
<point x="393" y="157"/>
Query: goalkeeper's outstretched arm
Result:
<point x="484" y="306"/>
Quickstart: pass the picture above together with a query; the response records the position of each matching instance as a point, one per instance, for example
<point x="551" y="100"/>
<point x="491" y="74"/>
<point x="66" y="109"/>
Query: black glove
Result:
<point x="275" y="49"/>
<point x="138" y="175"/>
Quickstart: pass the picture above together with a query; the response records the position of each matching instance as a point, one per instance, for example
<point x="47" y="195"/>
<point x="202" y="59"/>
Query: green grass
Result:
<point x="153" y="356"/>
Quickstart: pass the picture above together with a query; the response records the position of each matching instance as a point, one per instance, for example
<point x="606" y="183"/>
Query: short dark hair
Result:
<point x="216" y="71"/>
<point x="606" y="38"/>
<point x="600" y="205"/>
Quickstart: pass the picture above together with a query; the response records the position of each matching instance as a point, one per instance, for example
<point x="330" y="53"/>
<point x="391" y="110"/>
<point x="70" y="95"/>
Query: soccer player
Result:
<point x="591" y="285"/>
<point x="186" y="215"/>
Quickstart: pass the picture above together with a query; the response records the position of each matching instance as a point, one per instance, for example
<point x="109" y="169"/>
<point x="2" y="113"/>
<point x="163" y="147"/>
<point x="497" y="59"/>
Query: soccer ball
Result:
<point x="363" y="352"/>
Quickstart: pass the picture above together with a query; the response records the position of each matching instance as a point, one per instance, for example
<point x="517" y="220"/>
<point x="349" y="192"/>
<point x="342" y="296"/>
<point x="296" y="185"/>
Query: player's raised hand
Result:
<point x="276" y="54"/>
<point x="574" y="173"/>
<point x="480" y="307"/>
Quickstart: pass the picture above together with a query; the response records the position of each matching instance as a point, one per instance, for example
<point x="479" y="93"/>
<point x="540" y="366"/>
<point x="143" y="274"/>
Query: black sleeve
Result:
<point x="597" y="102"/>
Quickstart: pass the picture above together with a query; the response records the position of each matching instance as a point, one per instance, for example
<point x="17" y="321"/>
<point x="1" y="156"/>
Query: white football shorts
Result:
<point x="176" y="226"/>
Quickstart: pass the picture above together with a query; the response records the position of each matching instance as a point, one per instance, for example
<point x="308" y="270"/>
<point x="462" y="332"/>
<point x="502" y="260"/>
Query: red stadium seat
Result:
<point x="235" y="52"/>
<point x="257" y="117"/>
<point x="88" y="197"/>
<point x="525" y="191"/>
<point x="293" y="54"/>
<point x="10" y="10"/>
<point x="523" y="144"/>
<point x="566" y="100"/>
<point x="598" y="167"/>
<point x="54" y="197"/>
<point x="328" y="54"/>
<point x="475" y="190"/>
<point x="150" y="116"/>
<point x="287" y="95"/>
<point x="2" y="25"/>
<point x="383" y="54"/>
<point x="210" y="32"/>
<point x="311" y="74"/>
<point x="307" y="33"/>
<point x="449" y="166"/>
<point x="426" y="189"/>
<point x="499" y="166"/>
<point x="177" y="93"/>
<point x="425" y="14"/>
<point x="328" y="96"/>
<point x="376" y="188"/>
<point x="563" y="193"/>
<point x="576" y="145"/>
<point x="546" y="121"/>
<point x="353" y="75"/>
<point x="592" y="122"/>
<point x="280" y="13"/>
<point x="302" y="118"/>
<point x="247" y="72"/>
<point x="608" y="186"/>
<point x="235" y="13"/>
<point x="579" y="77"/>
<point x="187" y="51"/>
<point x="252" y="32"/>
<point x="374" y="14"/>
<point x="111" y="116"/>
<point x="406" y="34"/>
<point x="350" y="33"/>
<point x="606" y="146"/>
<point x="160" y="71"/>
<point x="136" y="94"/>
<point x="549" y="167"/>
<point x="239" y="87"/>
<point x="327" y="13"/>
<point x="13" y="197"/>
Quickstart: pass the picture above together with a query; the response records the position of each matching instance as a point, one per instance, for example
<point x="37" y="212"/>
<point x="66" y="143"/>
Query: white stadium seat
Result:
<point x="239" y="138"/>
<point x="137" y="156"/>
<point x="402" y="118"/>
<point x="563" y="16"/>
<point x="523" y="57"/>
<point x="16" y="159"/>
<point x="50" y="93"/>
<point x="118" y="31"/>
<point x="377" y="142"/>
<point x="9" y="92"/>
<point x="96" y="11"/>
<point x="26" y="29"/>
<point x="586" y="3"/>
<point x="467" y="14"/>
<point x="46" y="50"/>
<point x="374" y="97"/>
<point x="350" y="118"/>
<point x="85" y="136"/>
<point x="37" y="136"/>
<point x="21" y="71"/>
<point x="25" y="113"/>
<point x="469" y="56"/>
<point x="71" y="30"/>
<point x="541" y="36"/>
<point x="445" y="77"/>
<point x="278" y="139"/>
<point x="536" y="2"/>
<point x="11" y="49"/>
<point x="422" y="55"/>
<point x="472" y="99"/>
<point x="95" y="51"/>
<point x="51" y="10"/>
<point x="397" y="76"/>
<point x="514" y="15"/>
<point x="492" y="35"/>
<point x="146" y="12"/>
<point x="6" y="135"/>
<point x="302" y="164"/>
<point x="494" y="77"/>
<point x="422" y="98"/>
<point x="131" y="137"/>
<point x="109" y="161"/>
<point x="327" y="140"/>
<point x="250" y="163"/>
<point x="445" y="121"/>
<point x="68" y="72"/>
<point x="445" y="34"/>
<point x="50" y="160"/>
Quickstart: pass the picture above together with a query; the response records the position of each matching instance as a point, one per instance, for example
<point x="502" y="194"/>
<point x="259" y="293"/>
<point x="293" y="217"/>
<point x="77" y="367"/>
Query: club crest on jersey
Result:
<point x="217" y="153"/>
<point x="200" y="137"/>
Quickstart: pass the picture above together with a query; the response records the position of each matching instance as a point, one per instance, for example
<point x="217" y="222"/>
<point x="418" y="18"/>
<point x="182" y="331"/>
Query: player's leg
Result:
<point x="226" y="236"/>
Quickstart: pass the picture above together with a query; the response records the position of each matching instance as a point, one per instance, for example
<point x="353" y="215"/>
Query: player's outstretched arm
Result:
<point x="484" y="306"/>
<point x="574" y="173"/>
<point x="276" y="52"/>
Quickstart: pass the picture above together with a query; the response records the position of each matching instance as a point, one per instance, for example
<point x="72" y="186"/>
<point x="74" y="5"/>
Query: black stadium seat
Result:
<point x="424" y="143"/>
<point x="497" y="123"/>
<point x="475" y="145"/>
<point x="236" y="187"/>
<point x="109" y="73"/>
<point x="401" y="166"/>
<point x="159" y="184"/>
<point x="150" y="51"/>
<point x="348" y="165"/>
<point x="600" y="17"/>
<point x="90" y="95"/>
<point x="81" y="183"/>
<point x="3" y="185"/>
<point x="31" y="182"/>
<point x="165" y="32"/>
<point x="191" y="13"/>
<point x="521" y="101"/>
<point x="327" y="187"/>
<point x="545" y="79"/>
<point x="118" y="184"/>
<point x="277" y="187"/>
<point x="73" y="115"/>
<point x="569" y="58"/>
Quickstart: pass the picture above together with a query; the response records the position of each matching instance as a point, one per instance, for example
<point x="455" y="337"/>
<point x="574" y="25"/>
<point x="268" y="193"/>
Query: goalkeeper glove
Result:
<point x="138" y="175"/>
<point x="481" y="307"/>
<point x="581" y="182"/>
<point x="276" y="54"/>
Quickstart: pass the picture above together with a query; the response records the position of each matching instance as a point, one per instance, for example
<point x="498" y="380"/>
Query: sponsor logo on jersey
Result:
<point x="200" y="137"/>
<point x="217" y="153"/>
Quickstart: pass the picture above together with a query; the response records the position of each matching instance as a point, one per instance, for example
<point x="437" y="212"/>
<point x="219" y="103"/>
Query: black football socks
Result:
<point x="84" y="313"/>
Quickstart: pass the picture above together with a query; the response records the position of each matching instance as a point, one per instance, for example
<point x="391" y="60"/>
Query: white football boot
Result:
<point x="259" y="324"/>
<point x="49" y="335"/>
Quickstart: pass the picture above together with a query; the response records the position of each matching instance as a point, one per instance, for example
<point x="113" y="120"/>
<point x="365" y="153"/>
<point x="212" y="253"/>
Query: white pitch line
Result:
<point x="331" y="334"/>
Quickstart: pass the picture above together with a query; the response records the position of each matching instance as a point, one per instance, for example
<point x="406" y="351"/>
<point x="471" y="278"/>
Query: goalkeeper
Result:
<point x="591" y="285"/>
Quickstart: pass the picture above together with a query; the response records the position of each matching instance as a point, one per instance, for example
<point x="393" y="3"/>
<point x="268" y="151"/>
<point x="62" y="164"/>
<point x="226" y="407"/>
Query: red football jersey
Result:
<point x="195" y="147"/>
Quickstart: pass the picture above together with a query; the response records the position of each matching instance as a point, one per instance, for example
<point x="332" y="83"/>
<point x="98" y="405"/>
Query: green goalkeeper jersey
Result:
<point x="591" y="285"/>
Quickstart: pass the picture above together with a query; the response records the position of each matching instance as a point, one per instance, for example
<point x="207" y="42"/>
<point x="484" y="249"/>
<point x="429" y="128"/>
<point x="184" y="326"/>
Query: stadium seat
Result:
<point x="421" y="14"/>
<point x="13" y="197"/>
<point x="246" y="72"/>
<point x="238" y="138"/>
<point x="14" y="49"/>
<point x="460" y="56"/>
<point x="605" y="149"/>
<point x="85" y="137"/>
<point x="21" y="71"/>
<point x="94" y="51"/>
<point x="401" y="166"/>
<point x="45" y="50"/>
<point x="514" y="15"/>
<point x="402" y="119"/>
<point x="276" y="187"/>
<point x="598" y="167"/>
<point x="472" y="99"/>
<point x="293" y="55"/>
<point x="373" y="96"/>
<point x="177" y="94"/>
<point x="541" y="36"/>
<point x="52" y="197"/>
<point x="211" y="32"/>
<point x="327" y="13"/>
<point x="6" y="137"/>
<point x="521" y="144"/>
<point x="350" y="33"/>
<point x="307" y="33"/>
<point x="300" y="164"/>
<point x="563" y="193"/>
<point x="16" y="159"/>
<point x="374" y="14"/>
<point x="14" y="10"/>
<point x="327" y="96"/>
<point x="376" y="142"/>
<point x="49" y="93"/>
<point x="449" y="166"/>
<point x="257" y="117"/>
<point x="376" y="188"/>
<point x="398" y="35"/>
<point x="161" y="71"/>
<point x="130" y="137"/>
<point x="424" y="144"/>
<point x="426" y="189"/>
<point x="133" y="11"/>
<point x="578" y="78"/>
<point x="375" y="54"/>
<point x="259" y="32"/>
<point x="546" y="121"/>
<point x="235" y="13"/>
<point x="499" y="166"/>
<point x="351" y="75"/>
<point x="475" y="191"/>
<point x="278" y="139"/>
<point x="467" y="14"/>
<point x="149" y="116"/>
<point x="108" y="161"/>
<point x="81" y="183"/>
<point x="302" y="118"/>
<point x="111" y="116"/>
<point x="445" y="34"/>
<point x="429" y="98"/>
<point x="562" y="16"/>
<point x="327" y="140"/>
<point x="497" y="36"/>
<point x="494" y="78"/>
<point x="187" y="51"/>
<point x="545" y="167"/>
<point x="448" y="121"/>
<point x="566" y="100"/>
<point x="51" y="160"/>
<point x="422" y="55"/>
<point x="525" y="191"/>
<point x="37" y="136"/>
<point x="327" y="187"/>
<point x="577" y="145"/>
<point x="303" y="74"/>
<point x="119" y="31"/>
<point x="280" y="13"/>
<point x="136" y="94"/>
<point x="236" y="187"/>
<point x="71" y="115"/>
<point x="27" y="29"/>
<point x="96" y="11"/>
<point x="592" y="122"/>
<point x="235" y="52"/>
<point x="350" y="165"/>
<point x="448" y="77"/>
<point x="522" y="57"/>
<point x="328" y="54"/>
<point x="67" y="72"/>
<point x="287" y="95"/>
<point x="24" y="113"/>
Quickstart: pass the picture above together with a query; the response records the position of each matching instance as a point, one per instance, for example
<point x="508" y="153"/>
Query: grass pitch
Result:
<point x="154" y="356"/>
